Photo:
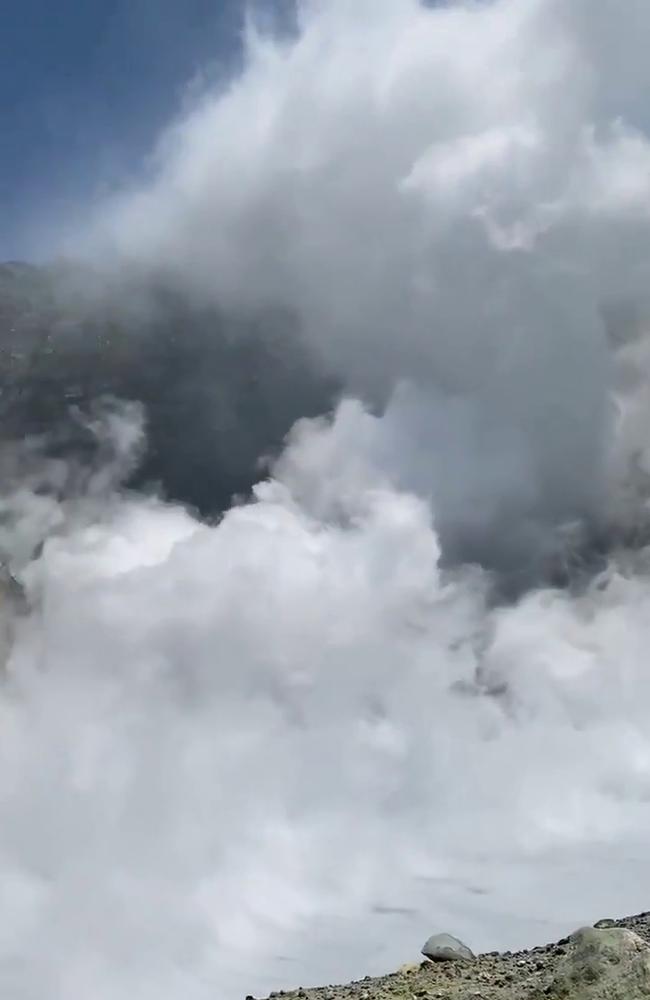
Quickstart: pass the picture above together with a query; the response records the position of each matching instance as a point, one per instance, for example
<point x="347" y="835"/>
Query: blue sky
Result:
<point x="85" y="86"/>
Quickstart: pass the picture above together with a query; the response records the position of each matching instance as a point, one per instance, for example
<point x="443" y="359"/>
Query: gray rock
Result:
<point x="446" y="948"/>
<point x="603" y="964"/>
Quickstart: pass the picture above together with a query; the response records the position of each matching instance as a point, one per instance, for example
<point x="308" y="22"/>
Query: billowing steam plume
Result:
<point x="247" y="745"/>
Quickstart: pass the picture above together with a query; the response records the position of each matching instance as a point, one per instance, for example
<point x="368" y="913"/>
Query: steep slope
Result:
<point x="218" y="392"/>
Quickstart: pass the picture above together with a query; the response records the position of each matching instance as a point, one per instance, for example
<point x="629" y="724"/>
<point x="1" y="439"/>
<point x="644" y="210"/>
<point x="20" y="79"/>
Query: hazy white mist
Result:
<point x="288" y="746"/>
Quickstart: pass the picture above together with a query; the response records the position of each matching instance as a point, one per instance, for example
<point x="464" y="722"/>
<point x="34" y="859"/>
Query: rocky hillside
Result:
<point x="610" y="961"/>
<point x="218" y="391"/>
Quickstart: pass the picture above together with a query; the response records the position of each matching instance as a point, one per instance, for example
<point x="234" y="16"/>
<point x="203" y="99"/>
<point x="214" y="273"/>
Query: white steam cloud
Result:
<point x="288" y="746"/>
<point x="456" y="196"/>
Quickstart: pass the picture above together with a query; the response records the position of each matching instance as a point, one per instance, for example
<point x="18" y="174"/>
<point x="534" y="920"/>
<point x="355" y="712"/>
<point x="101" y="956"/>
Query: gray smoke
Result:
<point x="450" y="198"/>
<point x="303" y="727"/>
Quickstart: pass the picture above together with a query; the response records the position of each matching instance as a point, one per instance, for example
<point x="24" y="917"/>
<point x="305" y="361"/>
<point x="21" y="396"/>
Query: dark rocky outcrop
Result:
<point x="218" y="391"/>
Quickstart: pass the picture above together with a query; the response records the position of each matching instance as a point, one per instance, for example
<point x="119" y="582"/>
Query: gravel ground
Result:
<point x="531" y="974"/>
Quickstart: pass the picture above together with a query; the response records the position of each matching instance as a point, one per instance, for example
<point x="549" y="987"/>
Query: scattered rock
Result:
<point x="446" y="948"/>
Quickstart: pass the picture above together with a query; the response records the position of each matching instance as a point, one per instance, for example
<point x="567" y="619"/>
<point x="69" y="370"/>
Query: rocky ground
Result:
<point x="610" y="961"/>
